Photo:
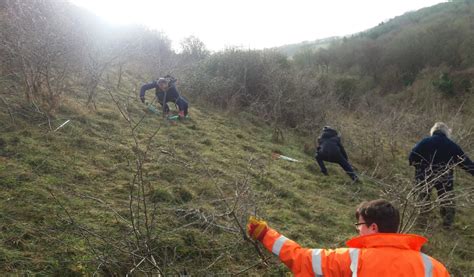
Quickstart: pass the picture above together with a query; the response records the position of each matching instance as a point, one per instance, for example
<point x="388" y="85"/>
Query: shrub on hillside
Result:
<point x="444" y="84"/>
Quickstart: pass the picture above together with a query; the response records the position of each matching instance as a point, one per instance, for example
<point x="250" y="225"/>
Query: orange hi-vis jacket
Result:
<point x="382" y="254"/>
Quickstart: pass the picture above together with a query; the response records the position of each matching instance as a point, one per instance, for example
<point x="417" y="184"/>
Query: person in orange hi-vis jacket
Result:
<point x="378" y="250"/>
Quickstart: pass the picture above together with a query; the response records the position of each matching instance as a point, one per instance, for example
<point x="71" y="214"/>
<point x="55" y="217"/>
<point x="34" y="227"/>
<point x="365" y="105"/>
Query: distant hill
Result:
<point x="437" y="40"/>
<point x="291" y="49"/>
<point x="440" y="34"/>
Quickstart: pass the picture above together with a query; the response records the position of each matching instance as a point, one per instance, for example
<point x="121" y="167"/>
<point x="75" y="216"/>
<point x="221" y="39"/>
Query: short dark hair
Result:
<point x="380" y="212"/>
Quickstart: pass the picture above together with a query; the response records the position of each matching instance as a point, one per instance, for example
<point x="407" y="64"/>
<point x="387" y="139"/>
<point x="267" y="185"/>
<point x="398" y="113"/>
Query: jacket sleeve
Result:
<point x="307" y="262"/>
<point x="146" y="87"/>
<point x="465" y="162"/>
<point x="468" y="165"/>
<point x="318" y="147"/>
<point x="165" y="101"/>
<point x="412" y="159"/>
<point x="439" y="270"/>
<point x="415" y="157"/>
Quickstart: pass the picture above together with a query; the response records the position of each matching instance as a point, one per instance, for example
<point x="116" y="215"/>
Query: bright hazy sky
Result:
<point x="252" y="23"/>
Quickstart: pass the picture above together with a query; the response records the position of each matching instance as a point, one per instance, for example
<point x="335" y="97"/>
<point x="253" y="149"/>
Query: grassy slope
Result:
<point x="88" y="160"/>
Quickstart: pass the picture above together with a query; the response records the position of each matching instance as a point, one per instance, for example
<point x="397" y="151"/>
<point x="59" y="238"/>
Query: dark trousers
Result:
<point x="182" y="106"/>
<point x="443" y="182"/>
<point x="342" y="162"/>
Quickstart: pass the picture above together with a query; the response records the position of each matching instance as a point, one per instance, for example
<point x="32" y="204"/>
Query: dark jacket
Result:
<point x="438" y="152"/>
<point x="171" y="95"/>
<point x="330" y="147"/>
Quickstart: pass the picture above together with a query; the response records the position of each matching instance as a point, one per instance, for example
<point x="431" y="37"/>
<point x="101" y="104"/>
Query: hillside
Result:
<point x="65" y="193"/>
<point x="291" y="49"/>
<point x="394" y="54"/>
<point x="439" y="15"/>
<point x="94" y="183"/>
<point x="84" y="170"/>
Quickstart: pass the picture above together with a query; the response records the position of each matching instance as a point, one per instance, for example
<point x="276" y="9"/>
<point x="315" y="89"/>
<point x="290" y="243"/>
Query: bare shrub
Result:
<point x="42" y="45"/>
<point x="416" y="201"/>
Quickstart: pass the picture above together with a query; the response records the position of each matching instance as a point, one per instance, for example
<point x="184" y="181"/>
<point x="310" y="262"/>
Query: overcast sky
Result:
<point x="252" y="23"/>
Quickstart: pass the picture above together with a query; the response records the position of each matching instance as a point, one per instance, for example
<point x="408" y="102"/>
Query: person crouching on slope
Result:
<point x="330" y="149"/>
<point x="165" y="91"/>
<point x="378" y="250"/>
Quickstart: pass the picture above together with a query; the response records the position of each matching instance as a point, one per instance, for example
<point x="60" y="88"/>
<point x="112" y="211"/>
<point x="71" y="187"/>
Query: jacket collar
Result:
<point x="329" y="133"/>
<point x="439" y="133"/>
<point x="402" y="241"/>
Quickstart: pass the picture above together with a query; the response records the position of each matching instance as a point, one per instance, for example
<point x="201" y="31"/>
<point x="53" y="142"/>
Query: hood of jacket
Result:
<point x="402" y="241"/>
<point x="328" y="133"/>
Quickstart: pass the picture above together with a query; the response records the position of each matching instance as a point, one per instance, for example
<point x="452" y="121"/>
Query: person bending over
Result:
<point x="330" y="149"/>
<point x="166" y="91"/>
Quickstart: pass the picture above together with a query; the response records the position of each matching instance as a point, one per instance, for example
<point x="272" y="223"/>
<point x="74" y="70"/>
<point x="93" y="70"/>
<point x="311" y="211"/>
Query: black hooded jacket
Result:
<point x="330" y="148"/>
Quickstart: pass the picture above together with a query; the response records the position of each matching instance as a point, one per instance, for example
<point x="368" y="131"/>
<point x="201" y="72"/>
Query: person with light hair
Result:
<point x="441" y="127"/>
<point x="434" y="158"/>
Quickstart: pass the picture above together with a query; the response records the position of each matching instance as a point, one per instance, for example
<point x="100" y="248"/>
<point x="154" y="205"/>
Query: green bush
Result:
<point x="346" y="89"/>
<point x="161" y="195"/>
<point x="444" y="84"/>
<point x="182" y="194"/>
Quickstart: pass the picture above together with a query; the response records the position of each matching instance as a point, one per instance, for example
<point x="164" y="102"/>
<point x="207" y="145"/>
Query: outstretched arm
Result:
<point x="313" y="262"/>
<point x="295" y="257"/>
<point x="144" y="88"/>
<point x="468" y="165"/>
<point x="465" y="162"/>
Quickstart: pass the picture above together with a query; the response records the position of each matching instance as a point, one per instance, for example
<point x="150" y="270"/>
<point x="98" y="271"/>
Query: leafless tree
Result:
<point x="41" y="48"/>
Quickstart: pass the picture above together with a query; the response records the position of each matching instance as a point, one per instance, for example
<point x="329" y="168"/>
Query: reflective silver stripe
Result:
<point x="428" y="264"/>
<point x="278" y="245"/>
<point x="316" y="262"/>
<point x="354" y="253"/>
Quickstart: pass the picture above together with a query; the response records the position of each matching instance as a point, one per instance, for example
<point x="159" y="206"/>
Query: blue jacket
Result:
<point x="439" y="151"/>
<point x="171" y="95"/>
